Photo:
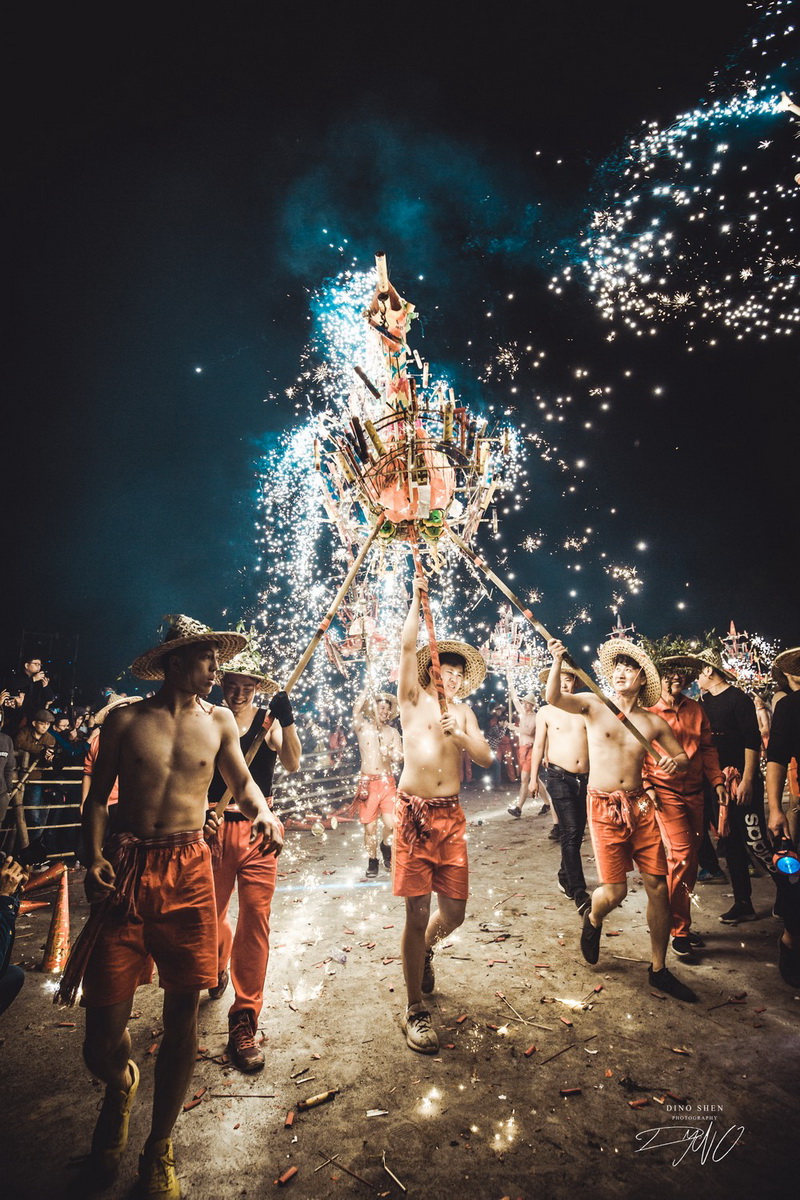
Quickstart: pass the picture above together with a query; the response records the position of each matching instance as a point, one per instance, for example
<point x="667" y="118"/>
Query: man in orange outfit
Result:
<point x="681" y="815"/>
<point x="381" y="750"/>
<point x="237" y="861"/>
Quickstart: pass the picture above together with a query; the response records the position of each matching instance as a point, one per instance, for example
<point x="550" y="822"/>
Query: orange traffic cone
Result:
<point x="51" y="875"/>
<point x="57" y="947"/>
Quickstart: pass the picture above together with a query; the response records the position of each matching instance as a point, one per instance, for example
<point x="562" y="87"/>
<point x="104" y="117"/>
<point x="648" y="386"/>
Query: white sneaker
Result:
<point x="420" y="1034"/>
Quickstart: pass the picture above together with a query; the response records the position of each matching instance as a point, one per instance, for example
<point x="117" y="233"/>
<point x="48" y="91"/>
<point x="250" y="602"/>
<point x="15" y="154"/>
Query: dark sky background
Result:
<point x="169" y="180"/>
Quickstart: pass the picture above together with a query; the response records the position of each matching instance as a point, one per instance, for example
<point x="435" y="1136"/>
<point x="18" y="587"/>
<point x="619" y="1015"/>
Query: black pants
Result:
<point x="10" y="985"/>
<point x="568" y="793"/>
<point x="747" y="837"/>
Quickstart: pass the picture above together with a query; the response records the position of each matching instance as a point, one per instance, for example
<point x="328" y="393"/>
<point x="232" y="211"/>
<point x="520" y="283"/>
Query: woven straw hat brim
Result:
<point x="688" y="662"/>
<point x="710" y="659"/>
<point x="474" y="673"/>
<point x="391" y="700"/>
<point x="117" y="702"/>
<point x="565" y="670"/>
<point x="611" y="649"/>
<point x="531" y="698"/>
<point x="149" y="665"/>
<point x="265" y="684"/>
<point x="788" y="661"/>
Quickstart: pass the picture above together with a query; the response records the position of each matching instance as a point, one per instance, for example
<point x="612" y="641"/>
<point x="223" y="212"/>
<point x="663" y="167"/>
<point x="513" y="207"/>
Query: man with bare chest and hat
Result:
<point x="151" y="887"/>
<point x="381" y="750"/>
<point x="430" y="848"/>
<point x="621" y="813"/>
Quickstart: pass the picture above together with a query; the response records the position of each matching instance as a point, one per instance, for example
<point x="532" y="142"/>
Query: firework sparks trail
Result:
<point x="696" y="220"/>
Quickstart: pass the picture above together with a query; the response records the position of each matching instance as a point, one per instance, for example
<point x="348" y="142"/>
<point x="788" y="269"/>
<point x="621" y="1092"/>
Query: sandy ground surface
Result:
<point x="520" y="1024"/>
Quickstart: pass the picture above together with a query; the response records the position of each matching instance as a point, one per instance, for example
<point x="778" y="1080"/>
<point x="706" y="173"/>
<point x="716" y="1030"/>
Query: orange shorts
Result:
<point x="174" y="921"/>
<point x="524" y="755"/>
<point x="436" y="864"/>
<point x="618" y="846"/>
<point x="375" y="794"/>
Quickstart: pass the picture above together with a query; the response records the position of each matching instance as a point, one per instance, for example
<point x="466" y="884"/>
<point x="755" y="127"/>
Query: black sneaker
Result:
<point x="590" y="939"/>
<point x="514" y="810"/>
<point x="742" y="911"/>
<point x="555" y="834"/>
<point x="372" y="868"/>
<point x="696" y="941"/>
<point x="386" y="852"/>
<point x="563" y="889"/>
<point x="428" y="975"/>
<point x="682" y="947"/>
<point x="544" y="809"/>
<point x="789" y="963"/>
<point x="665" y="981"/>
<point x="583" y="901"/>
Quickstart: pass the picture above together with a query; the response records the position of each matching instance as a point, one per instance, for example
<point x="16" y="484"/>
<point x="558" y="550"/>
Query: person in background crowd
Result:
<point x="38" y="743"/>
<point x="12" y="879"/>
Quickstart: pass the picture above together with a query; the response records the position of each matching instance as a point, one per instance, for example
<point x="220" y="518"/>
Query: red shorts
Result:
<point x="174" y="921"/>
<point x="375" y="794"/>
<point x="436" y="864"/>
<point x="617" y="845"/>
<point x="525" y="754"/>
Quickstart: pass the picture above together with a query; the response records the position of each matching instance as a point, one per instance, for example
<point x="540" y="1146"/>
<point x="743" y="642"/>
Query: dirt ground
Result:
<point x="487" y="1117"/>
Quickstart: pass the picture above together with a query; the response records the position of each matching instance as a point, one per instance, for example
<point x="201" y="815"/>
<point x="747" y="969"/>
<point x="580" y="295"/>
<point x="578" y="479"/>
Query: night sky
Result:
<point x="170" y="182"/>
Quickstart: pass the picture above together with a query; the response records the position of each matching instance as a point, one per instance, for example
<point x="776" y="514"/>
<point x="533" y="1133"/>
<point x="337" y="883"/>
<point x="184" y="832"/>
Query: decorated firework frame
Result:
<point x="419" y="468"/>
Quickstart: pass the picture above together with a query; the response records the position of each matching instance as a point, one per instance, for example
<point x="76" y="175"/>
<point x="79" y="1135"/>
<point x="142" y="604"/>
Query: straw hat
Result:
<point x="692" y="664"/>
<point x="611" y="650"/>
<point x="531" y="698"/>
<point x="391" y="700"/>
<point x="565" y="670"/>
<point x="114" y="701"/>
<point x="247" y="664"/>
<point x="712" y="658"/>
<point x="184" y="631"/>
<point x="788" y="661"/>
<point x="474" y="672"/>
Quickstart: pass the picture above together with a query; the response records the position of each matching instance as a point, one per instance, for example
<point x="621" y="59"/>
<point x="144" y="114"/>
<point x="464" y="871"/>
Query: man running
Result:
<point x="430" y="848"/>
<point x="238" y="862"/>
<point x="381" y="750"/>
<point x="151" y="886"/>
<point x="621" y="814"/>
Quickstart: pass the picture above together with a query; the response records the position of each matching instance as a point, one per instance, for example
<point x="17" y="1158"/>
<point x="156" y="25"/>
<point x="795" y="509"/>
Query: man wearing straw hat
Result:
<point x="381" y="751"/>
<point x="737" y="738"/>
<point x="622" y="820"/>
<point x="237" y="862"/>
<point x="430" y="848"/>
<point x="681" y="812"/>
<point x="151" y="887"/>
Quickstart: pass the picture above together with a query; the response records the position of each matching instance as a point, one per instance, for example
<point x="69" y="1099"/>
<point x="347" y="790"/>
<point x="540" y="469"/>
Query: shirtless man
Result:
<point x="526" y="710"/>
<point x="381" y="750"/>
<point x="238" y="863"/>
<point x="157" y="866"/>
<point x="622" y="819"/>
<point x="560" y="760"/>
<point x="430" y="848"/>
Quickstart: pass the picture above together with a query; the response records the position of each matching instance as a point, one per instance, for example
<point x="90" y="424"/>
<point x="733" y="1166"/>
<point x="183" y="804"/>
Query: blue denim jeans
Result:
<point x="568" y="793"/>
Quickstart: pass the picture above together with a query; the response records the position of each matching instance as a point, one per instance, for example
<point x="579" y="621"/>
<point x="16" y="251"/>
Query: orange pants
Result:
<point x="436" y="862"/>
<point x="172" y="920"/>
<point x="375" y="794"/>
<point x="682" y="825"/>
<point x="247" y="951"/>
<point x="525" y="753"/>
<point x="617" y="844"/>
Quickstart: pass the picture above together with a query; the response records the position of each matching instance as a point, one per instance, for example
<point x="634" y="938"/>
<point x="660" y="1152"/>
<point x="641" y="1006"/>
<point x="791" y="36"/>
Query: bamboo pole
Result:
<point x="436" y="666"/>
<point x="483" y="566"/>
<point x="305" y="657"/>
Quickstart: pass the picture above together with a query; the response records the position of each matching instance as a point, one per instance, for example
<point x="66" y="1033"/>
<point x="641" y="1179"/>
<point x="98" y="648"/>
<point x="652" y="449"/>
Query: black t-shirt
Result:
<point x="784" y="734"/>
<point x="262" y="768"/>
<point x="734" y="725"/>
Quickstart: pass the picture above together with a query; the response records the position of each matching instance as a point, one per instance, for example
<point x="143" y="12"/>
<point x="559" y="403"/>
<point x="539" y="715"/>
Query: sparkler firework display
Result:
<point x="695" y="222"/>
